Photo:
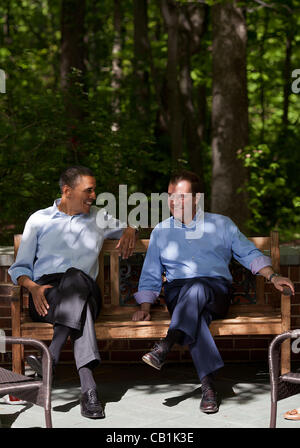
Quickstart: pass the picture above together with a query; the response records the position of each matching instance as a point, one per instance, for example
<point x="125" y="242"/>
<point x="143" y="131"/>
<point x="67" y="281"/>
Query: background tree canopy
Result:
<point x="133" y="89"/>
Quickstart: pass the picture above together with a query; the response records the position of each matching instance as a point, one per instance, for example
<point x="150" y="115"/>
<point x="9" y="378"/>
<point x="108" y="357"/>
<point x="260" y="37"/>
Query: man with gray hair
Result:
<point x="194" y="249"/>
<point x="58" y="263"/>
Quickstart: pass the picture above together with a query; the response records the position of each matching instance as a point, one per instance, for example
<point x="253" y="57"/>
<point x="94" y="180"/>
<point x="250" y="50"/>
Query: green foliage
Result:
<point x="271" y="198"/>
<point x="36" y="142"/>
<point x="272" y="158"/>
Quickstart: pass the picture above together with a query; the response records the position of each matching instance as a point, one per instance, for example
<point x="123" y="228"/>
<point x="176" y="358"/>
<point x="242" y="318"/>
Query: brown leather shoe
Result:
<point x="156" y="358"/>
<point x="209" y="403"/>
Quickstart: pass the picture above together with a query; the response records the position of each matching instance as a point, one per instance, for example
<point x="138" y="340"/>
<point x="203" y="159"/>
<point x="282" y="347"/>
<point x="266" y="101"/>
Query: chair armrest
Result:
<point x="273" y="358"/>
<point x="274" y="351"/>
<point x="46" y="356"/>
<point x="291" y="334"/>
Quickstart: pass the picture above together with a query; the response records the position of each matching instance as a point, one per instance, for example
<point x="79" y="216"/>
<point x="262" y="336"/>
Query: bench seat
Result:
<point x="116" y="323"/>
<point x="115" y="320"/>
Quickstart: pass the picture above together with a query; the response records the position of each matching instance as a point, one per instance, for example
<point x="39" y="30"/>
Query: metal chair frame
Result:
<point x="26" y="388"/>
<point x="282" y="386"/>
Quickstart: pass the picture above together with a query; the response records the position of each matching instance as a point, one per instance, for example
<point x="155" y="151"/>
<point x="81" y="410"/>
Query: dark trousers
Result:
<point x="74" y="301"/>
<point x="193" y="303"/>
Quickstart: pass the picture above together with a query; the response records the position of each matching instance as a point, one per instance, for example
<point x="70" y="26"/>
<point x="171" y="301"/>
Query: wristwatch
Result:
<point x="274" y="275"/>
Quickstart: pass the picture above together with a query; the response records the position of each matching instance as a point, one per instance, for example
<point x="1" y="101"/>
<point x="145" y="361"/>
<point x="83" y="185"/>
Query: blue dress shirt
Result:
<point x="53" y="242"/>
<point x="173" y="249"/>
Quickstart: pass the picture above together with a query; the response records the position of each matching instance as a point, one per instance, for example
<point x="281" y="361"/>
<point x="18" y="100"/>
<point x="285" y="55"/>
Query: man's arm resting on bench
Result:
<point x="278" y="281"/>
<point x="143" y="313"/>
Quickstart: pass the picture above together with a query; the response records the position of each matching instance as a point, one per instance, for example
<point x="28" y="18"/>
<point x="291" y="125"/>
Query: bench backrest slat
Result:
<point x="270" y="244"/>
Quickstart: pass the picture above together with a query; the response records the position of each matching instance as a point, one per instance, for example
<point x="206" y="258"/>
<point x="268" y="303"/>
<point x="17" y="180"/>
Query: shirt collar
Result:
<point x="198" y="216"/>
<point x="56" y="212"/>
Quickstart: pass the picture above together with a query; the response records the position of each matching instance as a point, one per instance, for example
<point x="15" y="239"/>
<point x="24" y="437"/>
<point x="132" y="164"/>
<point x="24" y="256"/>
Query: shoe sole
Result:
<point x="148" y="361"/>
<point x="93" y="417"/>
<point x="211" y="411"/>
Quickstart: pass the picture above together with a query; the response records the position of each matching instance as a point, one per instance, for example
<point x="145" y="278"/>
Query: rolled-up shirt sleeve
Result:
<point x="245" y="251"/>
<point x="150" y="282"/>
<point x="26" y="252"/>
<point x="259" y="263"/>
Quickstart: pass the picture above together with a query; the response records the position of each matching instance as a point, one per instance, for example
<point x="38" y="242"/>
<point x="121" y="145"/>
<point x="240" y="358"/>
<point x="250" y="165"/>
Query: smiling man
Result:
<point x="58" y="263"/>
<point x="194" y="250"/>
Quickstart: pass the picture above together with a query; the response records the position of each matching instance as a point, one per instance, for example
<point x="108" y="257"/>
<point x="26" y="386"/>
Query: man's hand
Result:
<point x="279" y="283"/>
<point x="127" y="242"/>
<point x="38" y="294"/>
<point x="143" y="313"/>
<point x="39" y="299"/>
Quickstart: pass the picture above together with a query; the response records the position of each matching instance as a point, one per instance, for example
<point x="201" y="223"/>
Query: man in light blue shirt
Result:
<point x="57" y="262"/>
<point x="194" y="250"/>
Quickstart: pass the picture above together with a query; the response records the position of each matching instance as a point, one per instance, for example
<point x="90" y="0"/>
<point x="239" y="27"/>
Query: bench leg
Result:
<point x="17" y="364"/>
<point x="17" y="349"/>
<point x="286" y="356"/>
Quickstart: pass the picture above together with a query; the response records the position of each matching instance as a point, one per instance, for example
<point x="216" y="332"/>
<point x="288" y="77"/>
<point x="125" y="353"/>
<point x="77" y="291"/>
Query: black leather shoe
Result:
<point x="35" y="362"/>
<point x="90" y="405"/>
<point x="209" y="403"/>
<point x="156" y="358"/>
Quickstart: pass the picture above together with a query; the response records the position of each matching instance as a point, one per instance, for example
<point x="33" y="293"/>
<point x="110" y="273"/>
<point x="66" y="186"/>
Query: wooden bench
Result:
<point x="114" y="322"/>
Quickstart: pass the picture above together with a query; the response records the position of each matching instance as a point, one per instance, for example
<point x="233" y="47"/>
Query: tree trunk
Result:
<point x="72" y="68"/>
<point x="170" y="15"/>
<point x="7" y="20"/>
<point x="192" y="27"/>
<point x="72" y="40"/>
<point x="161" y="131"/>
<point x="287" y="81"/>
<point x="229" y="111"/>
<point x="141" y="48"/>
<point x="116" y="64"/>
<point x="261" y="73"/>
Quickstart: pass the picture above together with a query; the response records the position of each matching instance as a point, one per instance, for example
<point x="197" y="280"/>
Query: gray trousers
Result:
<point x="74" y="301"/>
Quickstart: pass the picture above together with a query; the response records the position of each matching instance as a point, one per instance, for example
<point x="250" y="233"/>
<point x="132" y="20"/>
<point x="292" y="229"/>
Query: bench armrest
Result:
<point x="15" y="293"/>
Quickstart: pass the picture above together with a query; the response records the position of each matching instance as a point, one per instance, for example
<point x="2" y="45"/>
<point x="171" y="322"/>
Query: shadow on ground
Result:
<point x="242" y="382"/>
